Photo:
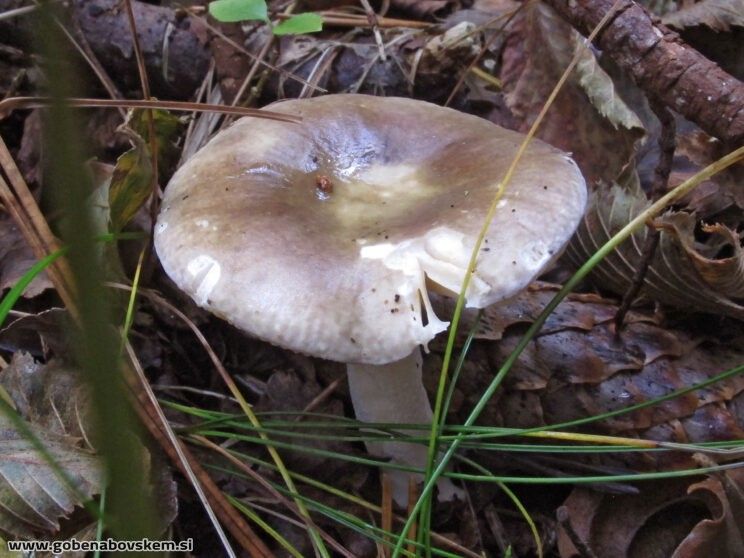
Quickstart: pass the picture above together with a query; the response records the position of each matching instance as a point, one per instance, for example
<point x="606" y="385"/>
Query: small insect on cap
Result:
<point x="322" y="237"/>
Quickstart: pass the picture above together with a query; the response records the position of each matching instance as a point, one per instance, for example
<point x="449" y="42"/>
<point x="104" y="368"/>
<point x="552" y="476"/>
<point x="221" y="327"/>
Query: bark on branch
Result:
<point x="663" y="65"/>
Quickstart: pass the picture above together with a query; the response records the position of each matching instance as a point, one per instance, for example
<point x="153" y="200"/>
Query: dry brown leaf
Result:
<point x="719" y="15"/>
<point x="695" y="150"/>
<point x="16" y="259"/>
<point x="424" y="8"/>
<point x="578" y="368"/>
<point x="722" y="534"/>
<point x="34" y="497"/>
<point x="290" y="391"/>
<point x="725" y="275"/>
<point x="666" y="519"/>
<point x="588" y="118"/>
<point x="684" y="273"/>
<point x="56" y="405"/>
<point x="37" y="334"/>
<point x="49" y="395"/>
<point x="424" y="64"/>
<point x="613" y="525"/>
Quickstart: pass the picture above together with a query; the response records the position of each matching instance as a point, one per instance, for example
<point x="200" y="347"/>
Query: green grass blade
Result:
<point x="258" y="520"/>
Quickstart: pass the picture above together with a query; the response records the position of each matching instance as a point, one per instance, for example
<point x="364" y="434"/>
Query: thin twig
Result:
<point x="15" y="103"/>
<point x="375" y="25"/>
<point x="636" y="283"/>
<point x="412" y="497"/>
<point x="322" y="65"/>
<point x="509" y="16"/>
<point x="233" y="388"/>
<point x="306" y="522"/>
<point x="22" y="206"/>
<point x="333" y="18"/>
<point x="581" y="546"/>
<point x="152" y="138"/>
<point x="497" y="527"/>
<point x="248" y="53"/>
<point x="260" y="58"/>
<point x="138" y="383"/>
<point x="17" y="12"/>
<point x="323" y="395"/>
<point x="252" y="72"/>
<point x="386" y="521"/>
<point x="667" y="146"/>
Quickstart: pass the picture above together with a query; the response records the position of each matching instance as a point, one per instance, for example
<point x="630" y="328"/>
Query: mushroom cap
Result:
<point x="322" y="237"/>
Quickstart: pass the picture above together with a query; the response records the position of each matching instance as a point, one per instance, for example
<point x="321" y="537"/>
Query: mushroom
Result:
<point x="324" y="237"/>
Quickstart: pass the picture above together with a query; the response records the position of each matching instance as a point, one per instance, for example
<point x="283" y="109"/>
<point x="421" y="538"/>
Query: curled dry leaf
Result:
<point x="722" y="194"/>
<point x="588" y="117"/>
<point x="665" y="519"/>
<point x="723" y="533"/>
<point x="724" y="275"/>
<point x="577" y="367"/>
<point x="684" y="273"/>
<point x="716" y="29"/>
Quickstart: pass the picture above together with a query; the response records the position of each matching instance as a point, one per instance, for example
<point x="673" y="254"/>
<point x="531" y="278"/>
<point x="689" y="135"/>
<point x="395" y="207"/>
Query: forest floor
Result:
<point x="608" y="426"/>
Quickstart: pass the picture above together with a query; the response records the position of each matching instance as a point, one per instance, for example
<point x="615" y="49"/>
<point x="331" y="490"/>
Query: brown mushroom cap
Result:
<point x="321" y="236"/>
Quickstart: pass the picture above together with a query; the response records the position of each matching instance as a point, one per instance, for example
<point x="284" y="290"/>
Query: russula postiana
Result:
<point x="324" y="237"/>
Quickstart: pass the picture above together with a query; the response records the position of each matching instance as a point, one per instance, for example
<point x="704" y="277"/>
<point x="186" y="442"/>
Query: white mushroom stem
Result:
<point x="394" y="393"/>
